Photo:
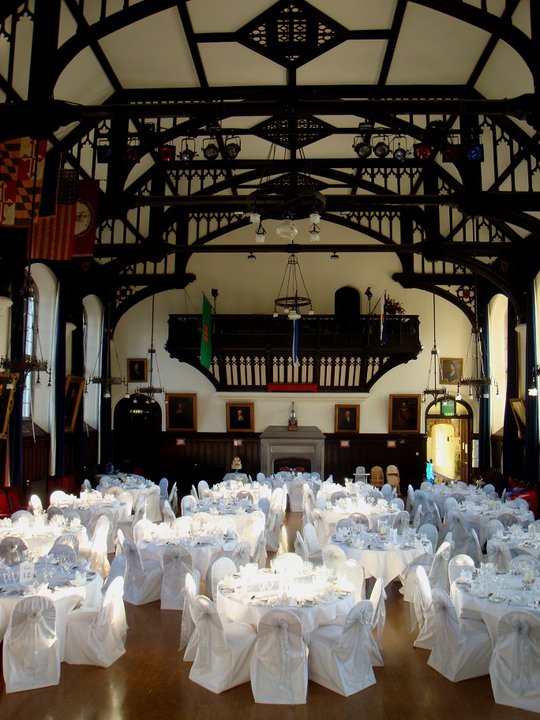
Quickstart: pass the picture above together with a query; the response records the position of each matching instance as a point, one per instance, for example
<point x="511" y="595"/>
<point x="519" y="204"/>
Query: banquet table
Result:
<point x="237" y="515"/>
<point x="477" y="515"/>
<point x="384" y="556"/>
<point x="229" y="490"/>
<point x="55" y="580"/>
<point x="312" y="595"/>
<point x="521" y="541"/>
<point x="138" y="487"/>
<point x="91" y="504"/>
<point x="39" y="534"/>
<point x="204" y="546"/>
<point x="374" y="511"/>
<point x="491" y="596"/>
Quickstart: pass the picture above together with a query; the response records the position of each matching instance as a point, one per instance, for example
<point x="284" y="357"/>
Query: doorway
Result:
<point x="448" y="439"/>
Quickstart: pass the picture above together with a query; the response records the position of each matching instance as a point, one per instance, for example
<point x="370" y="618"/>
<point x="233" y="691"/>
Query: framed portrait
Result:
<point x="74" y="391"/>
<point x="346" y="418"/>
<point x="404" y="414"/>
<point x="8" y="385"/>
<point x="181" y="411"/>
<point x="137" y="370"/>
<point x="518" y="410"/>
<point x="240" y="417"/>
<point x="451" y="370"/>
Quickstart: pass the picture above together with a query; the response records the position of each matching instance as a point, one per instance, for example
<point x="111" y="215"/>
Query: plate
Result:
<point x="496" y="599"/>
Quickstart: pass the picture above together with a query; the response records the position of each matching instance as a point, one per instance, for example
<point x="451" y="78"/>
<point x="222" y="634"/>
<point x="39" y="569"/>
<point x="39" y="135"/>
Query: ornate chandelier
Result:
<point x="293" y="294"/>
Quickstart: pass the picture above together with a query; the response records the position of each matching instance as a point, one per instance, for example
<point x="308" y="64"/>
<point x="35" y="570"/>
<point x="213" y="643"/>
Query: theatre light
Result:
<point x="232" y="147"/>
<point x="210" y="149"/>
<point x="187" y="149"/>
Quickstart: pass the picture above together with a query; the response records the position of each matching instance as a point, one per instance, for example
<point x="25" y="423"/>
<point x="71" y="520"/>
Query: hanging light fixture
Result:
<point x="432" y="387"/>
<point x="150" y="390"/>
<point x="108" y="380"/>
<point x="31" y="359"/>
<point x="293" y="294"/>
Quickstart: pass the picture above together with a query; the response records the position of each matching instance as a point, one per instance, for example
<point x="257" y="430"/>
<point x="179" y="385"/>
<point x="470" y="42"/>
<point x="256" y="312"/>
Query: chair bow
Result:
<point x="447" y="627"/>
<point x="522" y="659"/>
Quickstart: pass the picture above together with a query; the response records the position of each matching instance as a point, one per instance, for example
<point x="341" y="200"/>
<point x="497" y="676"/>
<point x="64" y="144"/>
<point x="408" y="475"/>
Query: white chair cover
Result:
<point x="168" y="515"/>
<point x="35" y="504"/>
<point x="387" y="491"/>
<point x="263" y="504"/>
<point x="203" y="489"/>
<point x="12" y="549"/>
<point x="402" y="520"/>
<point x="64" y="553"/>
<point x="259" y="553"/>
<point x="98" y="636"/>
<point x="333" y="557"/>
<point x="274" y="524"/>
<point x="377" y="599"/>
<point x="515" y="664"/>
<point x="423" y="608"/>
<point x="300" y="547"/>
<point x="312" y="544"/>
<point x="279" y="668"/>
<point x="493" y="528"/>
<point x="288" y="561"/>
<point x="173" y="498"/>
<point x="431" y="532"/>
<point x="295" y="491"/>
<point x="223" y="651"/>
<point x="456" y="564"/>
<point x="457" y="654"/>
<point x="219" y="569"/>
<point x="164" y="488"/>
<point x="31" y="651"/>
<point x="321" y="526"/>
<point x="187" y="627"/>
<point x="498" y="553"/>
<point x="398" y="503"/>
<point x="177" y="563"/>
<point x="339" y="657"/>
<point x="98" y="554"/>
<point x="143" y="579"/>
<point x="353" y="571"/>
<point x="438" y="573"/>
<point x="241" y="554"/>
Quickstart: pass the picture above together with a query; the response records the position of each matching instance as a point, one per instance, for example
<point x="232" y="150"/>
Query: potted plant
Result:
<point x="393" y="307"/>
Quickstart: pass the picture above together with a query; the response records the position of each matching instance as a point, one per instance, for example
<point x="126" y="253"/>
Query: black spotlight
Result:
<point x="422" y="151"/>
<point x="400" y="153"/>
<point x="361" y="147"/>
<point x="210" y="150"/>
<point x="187" y="150"/>
<point x="381" y="149"/>
<point x="232" y="147"/>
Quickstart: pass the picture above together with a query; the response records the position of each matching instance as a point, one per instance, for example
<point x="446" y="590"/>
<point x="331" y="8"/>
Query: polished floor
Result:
<point x="151" y="681"/>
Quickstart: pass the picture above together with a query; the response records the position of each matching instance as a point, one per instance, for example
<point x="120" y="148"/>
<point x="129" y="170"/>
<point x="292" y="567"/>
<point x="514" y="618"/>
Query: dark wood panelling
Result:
<point x="208" y="456"/>
<point x="36" y="454"/>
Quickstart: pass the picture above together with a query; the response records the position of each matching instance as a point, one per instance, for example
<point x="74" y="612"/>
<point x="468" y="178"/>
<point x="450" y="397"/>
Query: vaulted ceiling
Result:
<point x="275" y="100"/>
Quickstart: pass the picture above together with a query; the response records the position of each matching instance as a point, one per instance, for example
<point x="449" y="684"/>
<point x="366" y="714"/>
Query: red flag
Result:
<point x="52" y="237"/>
<point x="22" y="163"/>
<point x="86" y="220"/>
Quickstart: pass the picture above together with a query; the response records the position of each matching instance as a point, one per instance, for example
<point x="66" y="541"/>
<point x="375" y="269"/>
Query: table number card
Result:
<point x="26" y="573"/>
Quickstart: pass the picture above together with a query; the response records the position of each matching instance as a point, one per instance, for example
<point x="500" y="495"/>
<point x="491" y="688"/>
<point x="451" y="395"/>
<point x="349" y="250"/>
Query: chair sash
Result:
<point x="525" y="637"/>
<point x="205" y="615"/>
<point x="33" y="632"/>
<point x="287" y="646"/>
<point x="499" y="554"/>
<point x="448" y="631"/>
<point x="356" y="631"/>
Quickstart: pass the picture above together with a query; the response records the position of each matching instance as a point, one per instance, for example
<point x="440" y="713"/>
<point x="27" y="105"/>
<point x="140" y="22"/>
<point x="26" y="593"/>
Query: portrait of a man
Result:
<point x="240" y="417"/>
<point x="404" y="413"/>
<point x="181" y="411"/>
<point x="347" y="418"/>
<point x="136" y="370"/>
<point x="451" y="370"/>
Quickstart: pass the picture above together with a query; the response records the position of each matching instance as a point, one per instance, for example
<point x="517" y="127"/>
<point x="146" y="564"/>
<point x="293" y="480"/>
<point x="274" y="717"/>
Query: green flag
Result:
<point x="206" y="334"/>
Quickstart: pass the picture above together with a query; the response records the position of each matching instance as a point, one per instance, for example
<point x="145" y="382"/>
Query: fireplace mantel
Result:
<point x="277" y="441"/>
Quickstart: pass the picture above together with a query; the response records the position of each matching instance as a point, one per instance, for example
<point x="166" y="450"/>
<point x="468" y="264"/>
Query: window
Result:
<point x="30" y="343"/>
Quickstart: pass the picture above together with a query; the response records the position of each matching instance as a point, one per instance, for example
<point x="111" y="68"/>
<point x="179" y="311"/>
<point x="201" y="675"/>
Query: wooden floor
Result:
<point x="151" y="681"/>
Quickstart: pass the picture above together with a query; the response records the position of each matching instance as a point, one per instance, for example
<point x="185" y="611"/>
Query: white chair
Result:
<point x="57" y="497"/>
<point x="263" y="504"/>
<point x="333" y="557"/>
<point x="98" y="636"/>
<point x="489" y="489"/>
<point x="35" y="504"/>
<point x="218" y="570"/>
<point x="498" y="553"/>
<point x="339" y="657"/>
<point x="168" y="515"/>
<point x="353" y="571"/>
<point x="423" y="607"/>
<point x="143" y="577"/>
<point x="99" y="561"/>
<point x="31" y="651"/>
<point x="494" y="528"/>
<point x="457" y="564"/>
<point x="188" y="639"/>
<point x="346" y="522"/>
<point x="173" y="498"/>
<point x="438" y="572"/>
<point x="164" y="488"/>
<point x="259" y="555"/>
<point x="223" y="651"/>
<point x="397" y="503"/>
<point x="274" y="525"/>
<point x="203" y="489"/>
<point x="295" y="491"/>
<point x="387" y="491"/>
<point x="177" y="563"/>
<point x="460" y="650"/>
<point x="312" y="544"/>
<point x="431" y="532"/>
<point x="12" y="549"/>
<point x="321" y="526"/>
<point x="377" y="599"/>
<point x="188" y="505"/>
<point x="241" y="554"/>
<point x="514" y="669"/>
<point x="402" y="520"/>
<point x="279" y="665"/>
<point x="300" y="547"/>
<point x="288" y="561"/>
<point x="63" y="553"/>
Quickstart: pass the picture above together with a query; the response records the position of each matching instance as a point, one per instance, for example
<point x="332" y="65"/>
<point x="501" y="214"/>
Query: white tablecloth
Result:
<point x="40" y="537"/>
<point x="202" y="553"/>
<point x="386" y="562"/>
<point x="478" y="516"/>
<point x="248" y="605"/>
<point x="345" y="507"/>
<point x="506" y="592"/>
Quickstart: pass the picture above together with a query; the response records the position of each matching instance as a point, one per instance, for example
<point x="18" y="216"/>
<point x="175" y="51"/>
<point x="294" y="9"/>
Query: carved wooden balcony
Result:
<point x="336" y="354"/>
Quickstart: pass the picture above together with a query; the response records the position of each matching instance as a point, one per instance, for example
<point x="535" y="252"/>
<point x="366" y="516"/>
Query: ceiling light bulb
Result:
<point x="254" y="218"/>
<point x="315" y="218"/>
<point x="260" y="235"/>
<point x="287" y="230"/>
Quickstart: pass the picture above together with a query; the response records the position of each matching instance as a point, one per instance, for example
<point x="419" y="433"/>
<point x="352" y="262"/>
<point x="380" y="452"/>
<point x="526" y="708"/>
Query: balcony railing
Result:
<point x="254" y="352"/>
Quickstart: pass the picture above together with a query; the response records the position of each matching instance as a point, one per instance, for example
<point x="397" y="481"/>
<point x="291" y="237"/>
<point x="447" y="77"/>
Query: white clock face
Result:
<point x="83" y="217"/>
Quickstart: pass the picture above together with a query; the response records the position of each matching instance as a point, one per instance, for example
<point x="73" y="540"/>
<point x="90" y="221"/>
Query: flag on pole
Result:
<point x="22" y="163"/>
<point x="206" y="334"/>
<point x="383" y="335"/>
<point x="295" y="359"/>
<point x="51" y="238"/>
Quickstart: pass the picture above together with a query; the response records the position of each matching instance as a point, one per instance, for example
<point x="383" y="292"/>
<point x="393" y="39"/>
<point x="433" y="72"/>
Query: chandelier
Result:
<point x="432" y="387"/>
<point x="108" y="380"/>
<point x="150" y="390"/>
<point x="478" y="381"/>
<point x="31" y="360"/>
<point x="293" y="294"/>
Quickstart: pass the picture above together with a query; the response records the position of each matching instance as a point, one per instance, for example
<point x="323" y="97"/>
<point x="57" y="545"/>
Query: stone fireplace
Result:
<point x="279" y="443"/>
